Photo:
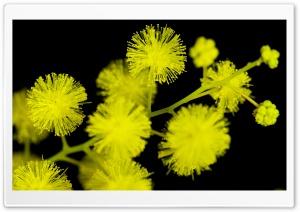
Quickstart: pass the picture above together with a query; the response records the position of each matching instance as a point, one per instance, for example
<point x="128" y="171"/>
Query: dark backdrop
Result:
<point x="256" y="159"/>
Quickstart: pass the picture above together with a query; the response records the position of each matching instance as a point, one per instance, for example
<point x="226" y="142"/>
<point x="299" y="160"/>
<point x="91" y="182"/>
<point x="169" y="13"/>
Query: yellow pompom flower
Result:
<point x="266" y="113"/>
<point x="158" y="53"/>
<point x="19" y="159"/>
<point x="87" y="168"/>
<point x="121" y="127"/>
<point x="204" y="52"/>
<point x="121" y="175"/>
<point x="116" y="82"/>
<point x="54" y="103"/>
<point x="196" y="137"/>
<point x="40" y="175"/>
<point x="24" y="129"/>
<point x="229" y="95"/>
<point x="270" y="56"/>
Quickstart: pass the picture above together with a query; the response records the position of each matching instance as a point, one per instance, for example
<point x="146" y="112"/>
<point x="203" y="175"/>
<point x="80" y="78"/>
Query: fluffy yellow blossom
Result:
<point x="121" y="175"/>
<point x="229" y="95"/>
<point x="40" y="175"/>
<point x="266" y="113"/>
<point x="54" y="103"/>
<point x="196" y="137"/>
<point x="19" y="159"/>
<point x="24" y="129"/>
<point x="270" y="56"/>
<point x="87" y="168"/>
<point x="121" y="127"/>
<point x="116" y="81"/>
<point x="157" y="52"/>
<point x="204" y="52"/>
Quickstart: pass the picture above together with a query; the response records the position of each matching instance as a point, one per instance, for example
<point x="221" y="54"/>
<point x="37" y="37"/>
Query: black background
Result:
<point x="256" y="159"/>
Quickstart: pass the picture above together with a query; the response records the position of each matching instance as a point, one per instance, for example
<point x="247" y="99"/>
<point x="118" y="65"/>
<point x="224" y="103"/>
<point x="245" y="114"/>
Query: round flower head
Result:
<point x="196" y="137"/>
<point x="121" y="175"/>
<point x="204" y="52"/>
<point x="54" y="104"/>
<point x="40" y="175"/>
<point x="116" y="81"/>
<point x="121" y="127"/>
<point x="270" y="56"/>
<point x="266" y="113"/>
<point x="24" y="129"/>
<point x="158" y="53"/>
<point x="227" y="98"/>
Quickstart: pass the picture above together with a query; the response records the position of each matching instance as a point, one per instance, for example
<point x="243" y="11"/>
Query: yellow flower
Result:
<point x="270" y="56"/>
<point x="204" y="52"/>
<point x="40" y="175"/>
<point x="121" y="127"/>
<point x="19" y="159"/>
<point x="229" y="95"/>
<point x="87" y="168"/>
<point x="196" y="137"/>
<point x="266" y="113"/>
<point x="116" y="81"/>
<point x="121" y="175"/>
<point x="24" y="129"/>
<point x="54" y="104"/>
<point x="158" y="53"/>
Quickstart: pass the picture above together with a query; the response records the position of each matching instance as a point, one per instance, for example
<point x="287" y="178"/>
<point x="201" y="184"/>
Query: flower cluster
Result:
<point x="231" y="93"/>
<point x="121" y="175"/>
<point x="266" y="113"/>
<point x="204" y="52"/>
<point x="269" y="56"/>
<point x="116" y="82"/>
<point x="120" y="127"/>
<point x="40" y="175"/>
<point x="196" y="137"/>
<point x="158" y="53"/>
<point x="54" y="104"/>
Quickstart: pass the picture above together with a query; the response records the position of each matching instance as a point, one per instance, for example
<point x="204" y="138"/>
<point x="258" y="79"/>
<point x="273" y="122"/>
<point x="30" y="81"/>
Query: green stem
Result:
<point x="64" y="143"/>
<point x="70" y="160"/>
<point x="154" y="132"/>
<point x="73" y="149"/>
<point x="200" y="90"/>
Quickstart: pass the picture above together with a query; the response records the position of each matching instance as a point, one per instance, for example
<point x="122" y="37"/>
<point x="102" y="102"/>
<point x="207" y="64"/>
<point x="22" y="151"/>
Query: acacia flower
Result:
<point x="196" y="137"/>
<point x="40" y="175"/>
<point x="87" y="168"/>
<point x="229" y="95"/>
<point x="204" y="52"/>
<point x="121" y="175"/>
<point x="121" y="127"/>
<point x="116" y="81"/>
<point x="270" y="56"/>
<point x="266" y="113"/>
<point x="24" y="129"/>
<point x="54" y="103"/>
<point x="158" y="53"/>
